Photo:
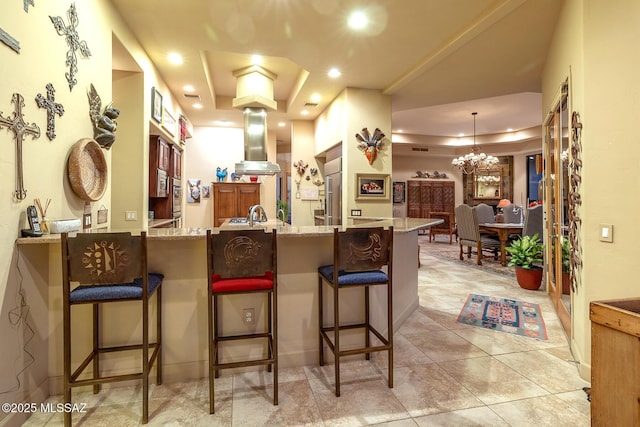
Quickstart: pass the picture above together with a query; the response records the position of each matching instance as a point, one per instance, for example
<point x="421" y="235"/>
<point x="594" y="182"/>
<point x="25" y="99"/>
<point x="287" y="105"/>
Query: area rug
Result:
<point x="504" y="315"/>
<point x="443" y="250"/>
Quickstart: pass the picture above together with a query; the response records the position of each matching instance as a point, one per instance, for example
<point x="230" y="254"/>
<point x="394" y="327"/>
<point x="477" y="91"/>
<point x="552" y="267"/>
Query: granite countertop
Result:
<point x="400" y="225"/>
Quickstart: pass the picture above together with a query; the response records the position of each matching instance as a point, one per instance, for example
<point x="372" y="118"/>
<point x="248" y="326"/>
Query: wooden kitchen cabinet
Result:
<point x="615" y="362"/>
<point x="176" y="162"/>
<point x="430" y="196"/>
<point x="159" y="153"/>
<point x="233" y="199"/>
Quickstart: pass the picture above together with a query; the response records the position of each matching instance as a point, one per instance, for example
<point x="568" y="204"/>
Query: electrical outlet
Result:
<point x="249" y="315"/>
<point x="130" y="215"/>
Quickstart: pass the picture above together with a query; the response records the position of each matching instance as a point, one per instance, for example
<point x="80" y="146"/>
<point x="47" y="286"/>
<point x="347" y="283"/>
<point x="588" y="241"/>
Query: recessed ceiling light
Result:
<point x="281" y="124"/>
<point x="399" y="131"/>
<point x="304" y="112"/>
<point x="509" y="130"/>
<point x="222" y="122"/>
<point x="256" y="60"/>
<point x="197" y="106"/>
<point x="334" y="73"/>
<point x="316" y="97"/>
<point x="175" y="58"/>
<point x="461" y="134"/>
<point x="188" y="88"/>
<point x="358" y="20"/>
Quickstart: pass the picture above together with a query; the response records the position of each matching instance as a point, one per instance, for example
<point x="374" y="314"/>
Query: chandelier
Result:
<point x="475" y="161"/>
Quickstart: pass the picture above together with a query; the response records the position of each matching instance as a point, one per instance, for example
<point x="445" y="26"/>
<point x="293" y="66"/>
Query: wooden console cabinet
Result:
<point x="233" y="199"/>
<point x="615" y="362"/>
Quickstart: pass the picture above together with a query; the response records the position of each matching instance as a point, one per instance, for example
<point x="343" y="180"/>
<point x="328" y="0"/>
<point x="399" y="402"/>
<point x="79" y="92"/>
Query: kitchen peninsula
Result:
<point x="180" y="254"/>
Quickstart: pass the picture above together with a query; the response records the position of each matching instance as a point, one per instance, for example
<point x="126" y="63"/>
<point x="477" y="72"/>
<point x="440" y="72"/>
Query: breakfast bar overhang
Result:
<point x="180" y="254"/>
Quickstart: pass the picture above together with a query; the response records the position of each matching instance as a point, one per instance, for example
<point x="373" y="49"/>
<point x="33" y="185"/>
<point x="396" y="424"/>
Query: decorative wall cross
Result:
<point x="52" y="107"/>
<point x="26" y="5"/>
<point x="17" y="124"/>
<point x="73" y="41"/>
<point x="9" y="41"/>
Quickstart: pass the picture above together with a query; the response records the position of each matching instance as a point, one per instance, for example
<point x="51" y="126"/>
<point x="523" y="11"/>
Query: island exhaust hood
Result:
<point x="254" y="94"/>
<point x="255" y="145"/>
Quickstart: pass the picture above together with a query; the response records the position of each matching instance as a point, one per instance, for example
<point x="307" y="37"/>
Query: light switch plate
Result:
<point x="606" y="233"/>
<point x="356" y="212"/>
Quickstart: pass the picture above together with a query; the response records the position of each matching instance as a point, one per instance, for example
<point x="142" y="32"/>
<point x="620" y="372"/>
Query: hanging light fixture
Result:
<point x="475" y="161"/>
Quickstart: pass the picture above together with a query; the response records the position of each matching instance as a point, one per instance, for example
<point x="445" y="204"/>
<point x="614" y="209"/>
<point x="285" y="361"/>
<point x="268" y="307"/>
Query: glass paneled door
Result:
<point x="556" y="144"/>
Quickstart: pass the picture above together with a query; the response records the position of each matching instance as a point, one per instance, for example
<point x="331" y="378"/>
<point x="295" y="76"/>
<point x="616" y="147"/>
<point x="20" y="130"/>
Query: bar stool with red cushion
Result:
<point x="359" y="254"/>
<point x="101" y="268"/>
<point x="242" y="262"/>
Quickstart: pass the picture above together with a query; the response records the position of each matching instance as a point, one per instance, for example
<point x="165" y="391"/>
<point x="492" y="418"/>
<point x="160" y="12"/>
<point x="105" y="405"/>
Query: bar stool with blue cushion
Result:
<point x="242" y="262"/>
<point x="359" y="254"/>
<point x="101" y="268"/>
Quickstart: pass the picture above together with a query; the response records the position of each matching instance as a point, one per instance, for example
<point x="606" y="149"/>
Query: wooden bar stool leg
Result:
<point x="96" y="345"/>
<point x="269" y="328"/>
<point x="275" y="347"/>
<point x="211" y="354"/>
<point x="336" y="328"/>
<point x="159" y="335"/>
<point x="145" y="361"/>
<point x="367" y="338"/>
<point x="320" y="323"/>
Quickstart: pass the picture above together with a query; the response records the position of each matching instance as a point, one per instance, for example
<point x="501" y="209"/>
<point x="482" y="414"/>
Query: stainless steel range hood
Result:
<point x="254" y="94"/>
<point x="255" y="145"/>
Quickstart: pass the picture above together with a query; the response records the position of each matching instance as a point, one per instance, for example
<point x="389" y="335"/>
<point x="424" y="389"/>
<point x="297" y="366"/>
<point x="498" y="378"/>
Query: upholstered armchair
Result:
<point x="469" y="234"/>
<point x="485" y="214"/>
<point x="513" y="214"/>
<point x="533" y="222"/>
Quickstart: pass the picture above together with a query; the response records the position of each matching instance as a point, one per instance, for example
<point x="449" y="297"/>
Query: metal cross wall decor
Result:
<point x="26" y="4"/>
<point x="16" y="124"/>
<point x="52" y="107"/>
<point x="73" y="41"/>
<point x="9" y="41"/>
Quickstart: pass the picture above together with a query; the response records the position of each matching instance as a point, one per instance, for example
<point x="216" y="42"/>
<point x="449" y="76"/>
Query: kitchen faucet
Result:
<point x="254" y="211"/>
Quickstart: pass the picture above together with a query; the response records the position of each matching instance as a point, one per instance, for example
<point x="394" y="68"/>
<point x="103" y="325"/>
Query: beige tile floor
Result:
<point x="446" y="374"/>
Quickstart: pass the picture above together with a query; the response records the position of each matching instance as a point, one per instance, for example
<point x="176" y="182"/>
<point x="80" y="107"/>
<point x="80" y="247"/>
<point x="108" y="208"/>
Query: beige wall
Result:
<point x="592" y="47"/>
<point x="42" y="60"/>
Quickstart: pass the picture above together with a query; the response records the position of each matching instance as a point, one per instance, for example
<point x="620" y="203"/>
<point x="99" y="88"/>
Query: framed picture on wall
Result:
<point x="372" y="186"/>
<point x="398" y="191"/>
<point x="156" y="105"/>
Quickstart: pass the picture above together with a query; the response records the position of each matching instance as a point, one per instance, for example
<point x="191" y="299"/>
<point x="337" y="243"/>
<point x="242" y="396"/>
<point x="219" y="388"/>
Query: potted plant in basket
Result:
<point x="526" y="256"/>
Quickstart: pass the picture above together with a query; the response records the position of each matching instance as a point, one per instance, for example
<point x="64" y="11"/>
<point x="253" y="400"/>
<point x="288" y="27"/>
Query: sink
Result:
<point x="239" y="220"/>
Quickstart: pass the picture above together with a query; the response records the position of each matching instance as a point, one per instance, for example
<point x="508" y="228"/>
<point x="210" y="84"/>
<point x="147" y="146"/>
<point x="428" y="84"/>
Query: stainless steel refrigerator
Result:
<point x="333" y="191"/>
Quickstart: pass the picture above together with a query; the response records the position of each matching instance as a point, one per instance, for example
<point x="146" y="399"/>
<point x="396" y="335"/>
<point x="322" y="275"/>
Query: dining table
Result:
<point x="503" y="230"/>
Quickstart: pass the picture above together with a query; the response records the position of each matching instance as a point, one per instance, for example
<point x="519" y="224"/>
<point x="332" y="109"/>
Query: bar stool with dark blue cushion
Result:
<point x="99" y="268"/>
<point x="242" y="262"/>
<point x="359" y="254"/>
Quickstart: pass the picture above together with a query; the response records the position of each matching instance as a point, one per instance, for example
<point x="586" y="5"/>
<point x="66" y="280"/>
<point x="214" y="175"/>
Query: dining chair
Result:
<point x="446" y="227"/>
<point x="513" y="214"/>
<point x="533" y="222"/>
<point x="469" y="234"/>
<point x="485" y="213"/>
<point x="362" y="258"/>
<point x="108" y="268"/>
<point x="241" y="262"/>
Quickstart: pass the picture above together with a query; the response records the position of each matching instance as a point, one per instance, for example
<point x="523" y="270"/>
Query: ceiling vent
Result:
<point x="310" y="104"/>
<point x="192" y="96"/>
<point x="419" y="149"/>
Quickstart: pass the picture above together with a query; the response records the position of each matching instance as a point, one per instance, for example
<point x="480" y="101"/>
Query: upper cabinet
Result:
<point x="159" y="154"/>
<point x="176" y="162"/>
